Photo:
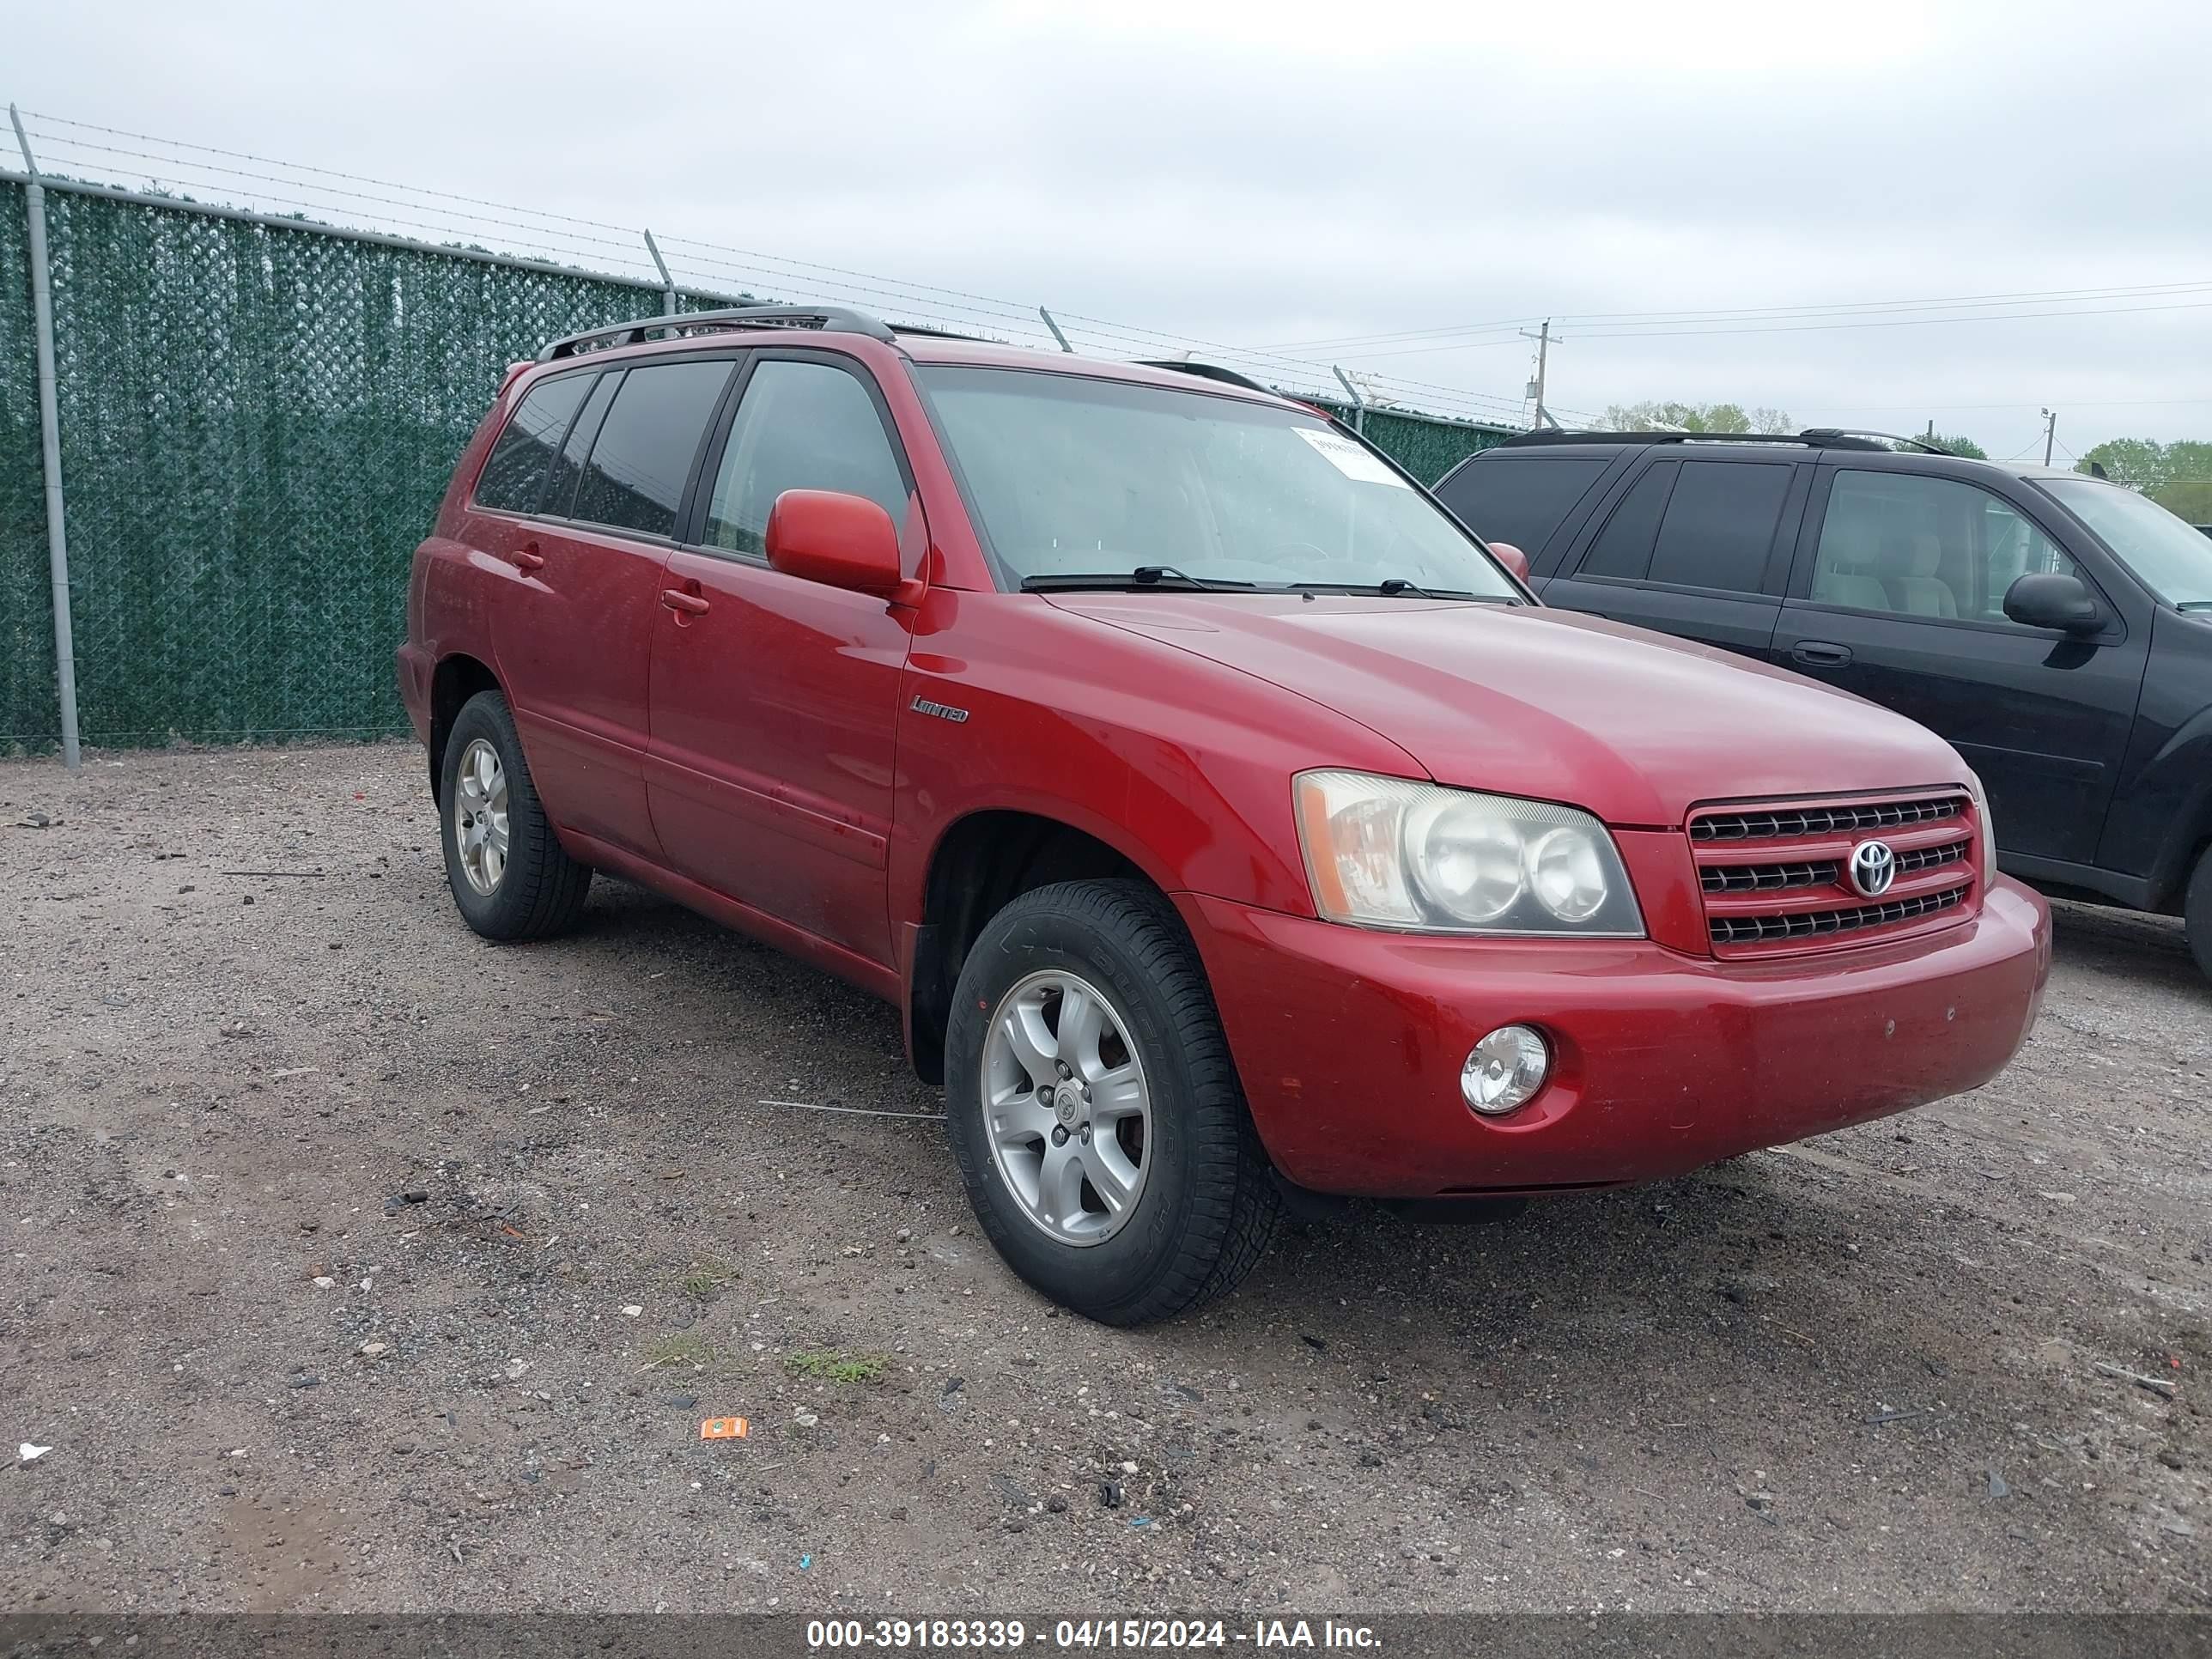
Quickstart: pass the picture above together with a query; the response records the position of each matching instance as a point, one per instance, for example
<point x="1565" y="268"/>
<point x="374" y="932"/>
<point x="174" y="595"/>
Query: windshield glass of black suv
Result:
<point x="1072" y="477"/>
<point x="2173" y="559"/>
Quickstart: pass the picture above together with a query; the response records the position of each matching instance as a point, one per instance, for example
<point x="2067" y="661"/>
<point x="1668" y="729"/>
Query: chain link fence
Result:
<point x="256" y="424"/>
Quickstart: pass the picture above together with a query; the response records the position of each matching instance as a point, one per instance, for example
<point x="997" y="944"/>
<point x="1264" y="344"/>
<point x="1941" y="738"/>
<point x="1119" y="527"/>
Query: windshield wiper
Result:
<point x="1390" y="587"/>
<point x="2194" y="605"/>
<point x="1144" y="575"/>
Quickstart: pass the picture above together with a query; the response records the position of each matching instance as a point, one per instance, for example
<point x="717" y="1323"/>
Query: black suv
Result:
<point x="2056" y="628"/>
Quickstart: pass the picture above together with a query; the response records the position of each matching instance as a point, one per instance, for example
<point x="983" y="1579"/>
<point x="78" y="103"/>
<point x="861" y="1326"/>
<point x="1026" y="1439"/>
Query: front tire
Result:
<point x="511" y="877"/>
<point x="1094" y="1108"/>
<point x="2197" y="911"/>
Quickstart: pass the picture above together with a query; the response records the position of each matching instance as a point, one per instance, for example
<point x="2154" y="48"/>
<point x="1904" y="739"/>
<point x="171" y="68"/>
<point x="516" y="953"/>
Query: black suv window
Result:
<point x="1520" y="498"/>
<point x="1925" y="547"/>
<point x="801" y="426"/>
<point x="1694" y="524"/>
<point x="1623" y="548"/>
<point x="1720" y="524"/>
<point x="646" y="445"/>
<point x="513" y="477"/>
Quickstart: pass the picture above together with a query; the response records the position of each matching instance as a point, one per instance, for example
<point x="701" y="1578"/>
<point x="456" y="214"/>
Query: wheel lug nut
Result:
<point x="1064" y="1070"/>
<point x="1059" y="1135"/>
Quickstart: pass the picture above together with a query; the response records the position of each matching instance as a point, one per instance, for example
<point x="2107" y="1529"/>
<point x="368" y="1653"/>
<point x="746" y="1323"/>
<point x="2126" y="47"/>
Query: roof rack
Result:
<point x="1816" y="437"/>
<point x="1207" y="371"/>
<point x="1838" y="437"/>
<point x="842" y="318"/>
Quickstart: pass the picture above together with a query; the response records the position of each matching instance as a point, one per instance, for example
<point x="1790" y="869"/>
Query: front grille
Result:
<point x="1776" y="879"/>
<point x="1763" y="877"/>
<point x="1760" y="930"/>
<point x="1824" y="820"/>
<point x="1931" y="858"/>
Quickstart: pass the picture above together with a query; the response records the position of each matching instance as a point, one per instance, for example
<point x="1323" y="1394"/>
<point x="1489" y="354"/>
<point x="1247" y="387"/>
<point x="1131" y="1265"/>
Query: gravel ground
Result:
<point x="352" y="1264"/>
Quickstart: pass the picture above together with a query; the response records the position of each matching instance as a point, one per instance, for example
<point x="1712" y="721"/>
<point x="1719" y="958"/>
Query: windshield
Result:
<point x="2172" y="559"/>
<point x="1074" y="477"/>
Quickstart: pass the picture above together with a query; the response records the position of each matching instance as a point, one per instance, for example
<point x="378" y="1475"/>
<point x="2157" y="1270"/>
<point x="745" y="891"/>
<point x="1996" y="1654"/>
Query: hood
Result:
<point x="1523" y="700"/>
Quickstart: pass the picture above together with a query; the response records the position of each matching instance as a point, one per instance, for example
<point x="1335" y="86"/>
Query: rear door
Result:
<point x="1695" y="546"/>
<point x="1898" y="595"/>
<point x="574" y="637"/>
<point x="776" y="700"/>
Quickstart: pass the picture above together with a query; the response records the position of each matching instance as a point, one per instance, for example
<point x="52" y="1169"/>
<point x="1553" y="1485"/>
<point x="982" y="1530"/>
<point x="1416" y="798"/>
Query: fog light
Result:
<point x="1506" y="1069"/>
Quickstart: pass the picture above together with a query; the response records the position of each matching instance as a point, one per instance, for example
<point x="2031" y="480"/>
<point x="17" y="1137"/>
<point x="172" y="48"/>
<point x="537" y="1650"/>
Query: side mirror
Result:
<point x="1511" y="557"/>
<point x="2053" y="601"/>
<point x="842" y="541"/>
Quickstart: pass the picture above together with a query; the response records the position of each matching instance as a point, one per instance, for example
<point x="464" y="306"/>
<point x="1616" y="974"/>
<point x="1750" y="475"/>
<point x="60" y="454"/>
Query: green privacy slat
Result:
<point x="256" y="424"/>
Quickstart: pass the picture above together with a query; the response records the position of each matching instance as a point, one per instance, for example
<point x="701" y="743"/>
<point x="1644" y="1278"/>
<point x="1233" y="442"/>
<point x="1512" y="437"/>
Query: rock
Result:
<point x="325" y="1282"/>
<point x="1110" y="1494"/>
<point x="2171" y="1458"/>
<point x="1319" y="1345"/>
<point x="906" y="1235"/>
<point x="1056" y="1503"/>
<point x="682" y="1402"/>
<point x="404" y="1448"/>
<point x="1369" y="1460"/>
<point x="632" y="1311"/>
<point x="372" y="1349"/>
<point x="807" y="1419"/>
<point x="307" y="1381"/>
<point x="1759" y="1500"/>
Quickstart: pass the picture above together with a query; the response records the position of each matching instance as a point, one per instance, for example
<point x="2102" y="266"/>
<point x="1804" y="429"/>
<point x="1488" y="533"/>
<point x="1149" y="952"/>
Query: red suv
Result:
<point x="1228" y="822"/>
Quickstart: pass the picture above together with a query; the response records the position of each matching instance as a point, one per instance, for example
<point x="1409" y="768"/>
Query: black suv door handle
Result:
<point x="1818" y="654"/>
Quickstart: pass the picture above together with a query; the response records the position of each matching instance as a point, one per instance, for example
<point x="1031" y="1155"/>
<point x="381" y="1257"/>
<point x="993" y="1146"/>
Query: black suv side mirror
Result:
<point x="2053" y="601"/>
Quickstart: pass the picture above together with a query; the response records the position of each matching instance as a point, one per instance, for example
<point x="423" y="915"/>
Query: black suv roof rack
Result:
<point x="842" y="318"/>
<point x="1816" y="437"/>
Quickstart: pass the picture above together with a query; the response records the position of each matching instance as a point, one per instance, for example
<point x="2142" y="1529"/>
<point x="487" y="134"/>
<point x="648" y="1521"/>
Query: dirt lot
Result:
<point x="352" y="1264"/>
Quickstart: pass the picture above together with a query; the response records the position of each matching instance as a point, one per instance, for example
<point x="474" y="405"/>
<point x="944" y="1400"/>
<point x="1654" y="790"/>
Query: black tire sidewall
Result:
<point x="502" y="913"/>
<point x="1100" y="1278"/>
<point x="2197" y="912"/>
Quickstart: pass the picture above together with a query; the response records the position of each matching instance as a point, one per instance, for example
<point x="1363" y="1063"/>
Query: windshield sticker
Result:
<point x="1349" y="457"/>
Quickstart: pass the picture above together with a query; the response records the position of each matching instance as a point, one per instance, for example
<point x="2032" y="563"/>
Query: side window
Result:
<point x="802" y="426"/>
<point x="1520" y="498"/>
<point x="645" y="446"/>
<point x="1623" y="548"/>
<point x="1720" y="524"/>
<point x="559" y="500"/>
<point x="1925" y="547"/>
<point x="510" y="479"/>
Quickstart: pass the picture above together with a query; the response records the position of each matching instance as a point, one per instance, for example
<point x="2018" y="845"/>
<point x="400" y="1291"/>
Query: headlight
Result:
<point x="1389" y="852"/>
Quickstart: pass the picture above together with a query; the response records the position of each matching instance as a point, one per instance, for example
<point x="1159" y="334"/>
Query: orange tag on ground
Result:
<point x="724" y="1428"/>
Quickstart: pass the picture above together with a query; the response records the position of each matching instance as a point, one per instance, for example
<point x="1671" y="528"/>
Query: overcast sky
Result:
<point x="1269" y="175"/>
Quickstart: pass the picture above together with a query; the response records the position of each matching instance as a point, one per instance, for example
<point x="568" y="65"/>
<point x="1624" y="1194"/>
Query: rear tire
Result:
<point x="511" y="877"/>
<point x="1204" y="1205"/>
<point x="2197" y="910"/>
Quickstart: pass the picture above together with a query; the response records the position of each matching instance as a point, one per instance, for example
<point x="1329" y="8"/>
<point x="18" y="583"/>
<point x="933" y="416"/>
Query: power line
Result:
<point x="1505" y="326"/>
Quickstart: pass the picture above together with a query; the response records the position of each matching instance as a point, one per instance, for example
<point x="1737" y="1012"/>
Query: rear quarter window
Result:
<point x="1521" y="499"/>
<point x="513" y="477"/>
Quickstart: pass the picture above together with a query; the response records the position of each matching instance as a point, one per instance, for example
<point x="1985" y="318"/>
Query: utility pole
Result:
<point x="1543" y="340"/>
<point x="2050" y="433"/>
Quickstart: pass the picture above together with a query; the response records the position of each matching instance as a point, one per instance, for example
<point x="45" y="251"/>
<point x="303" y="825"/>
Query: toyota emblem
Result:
<point x="1874" y="866"/>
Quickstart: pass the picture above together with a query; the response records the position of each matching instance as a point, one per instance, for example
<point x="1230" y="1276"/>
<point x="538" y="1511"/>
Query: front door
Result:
<point x="775" y="701"/>
<point x="1902" y="601"/>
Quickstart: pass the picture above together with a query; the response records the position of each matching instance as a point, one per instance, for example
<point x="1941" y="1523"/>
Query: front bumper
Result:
<point x="1350" y="1043"/>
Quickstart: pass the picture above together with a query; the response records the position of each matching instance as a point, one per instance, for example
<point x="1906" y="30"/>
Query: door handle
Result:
<point x="527" y="557"/>
<point x="1820" y="653"/>
<point x="690" y="605"/>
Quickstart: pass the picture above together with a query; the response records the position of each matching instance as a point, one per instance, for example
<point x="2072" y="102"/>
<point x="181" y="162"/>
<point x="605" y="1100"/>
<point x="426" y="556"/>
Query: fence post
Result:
<point x="50" y="449"/>
<point x="1054" y="327"/>
<point x="1358" y="402"/>
<point x="667" y="282"/>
